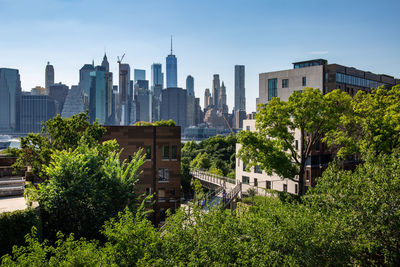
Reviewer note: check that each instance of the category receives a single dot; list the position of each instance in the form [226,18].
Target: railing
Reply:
[211,177]
[231,195]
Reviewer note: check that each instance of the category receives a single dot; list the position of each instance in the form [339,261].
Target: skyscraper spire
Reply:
[171,44]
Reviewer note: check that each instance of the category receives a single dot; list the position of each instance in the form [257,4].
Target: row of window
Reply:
[257,169]
[174,152]
[357,81]
[268,184]
[273,86]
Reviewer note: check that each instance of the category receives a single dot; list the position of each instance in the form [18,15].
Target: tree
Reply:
[86,186]
[372,125]
[57,134]
[201,161]
[272,146]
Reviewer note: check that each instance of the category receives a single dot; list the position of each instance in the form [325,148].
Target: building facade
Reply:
[138,75]
[161,171]
[157,77]
[190,85]
[35,110]
[215,89]
[240,93]
[73,103]
[173,105]
[59,92]
[49,77]
[125,99]
[10,97]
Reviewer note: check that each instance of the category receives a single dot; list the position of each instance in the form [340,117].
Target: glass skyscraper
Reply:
[157,77]
[172,71]
[10,94]
[139,75]
[190,85]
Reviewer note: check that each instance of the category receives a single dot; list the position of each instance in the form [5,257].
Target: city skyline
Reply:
[264,36]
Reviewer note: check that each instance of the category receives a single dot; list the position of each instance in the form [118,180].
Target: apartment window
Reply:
[317,146]
[165,152]
[244,166]
[148,191]
[285,188]
[268,184]
[174,150]
[163,175]
[161,195]
[172,192]
[297,144]
[326,77]
[148,152]
[296,188]
[285,83]
[255,182]
[257,169]
[248,128]
[245,180]
[307,175]
[326,90]
[304,81]
[272,88]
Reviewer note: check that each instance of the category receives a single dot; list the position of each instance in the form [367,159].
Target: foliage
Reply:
[87,186]
[216,171]
[14,226]
[10,152]
[57,134]
[156,123]
[272,146]
[373,123]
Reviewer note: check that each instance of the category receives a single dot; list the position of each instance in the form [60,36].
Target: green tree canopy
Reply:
[272,146]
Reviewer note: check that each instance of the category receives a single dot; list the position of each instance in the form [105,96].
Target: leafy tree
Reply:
[272,146]
[373,123]
[87,186]
[57,134]
[201,161]
[156,123]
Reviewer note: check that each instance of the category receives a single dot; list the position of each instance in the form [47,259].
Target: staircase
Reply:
[10,184]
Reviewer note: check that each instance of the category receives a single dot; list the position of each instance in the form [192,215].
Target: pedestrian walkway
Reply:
[8,204]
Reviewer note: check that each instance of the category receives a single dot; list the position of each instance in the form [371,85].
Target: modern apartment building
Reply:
[317,74]
[161,172]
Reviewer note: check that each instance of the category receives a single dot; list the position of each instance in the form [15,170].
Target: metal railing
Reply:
[211,177]
[232,195]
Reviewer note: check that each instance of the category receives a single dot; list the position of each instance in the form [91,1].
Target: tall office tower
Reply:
[59,93]
[172,72]
[198,118]
[207,98]
[190,110]
[173,106]
[240,96]
[35,109]
[73,103]
[138,75]
[157,77]
[115,99]
[156,105]
[10,97]
[38,90]
[190,85]
[144,105]
[105,63]
[222,99]
[49,77]
[124,101]
[109,98]
[84,80]
[99,89]
[215,88]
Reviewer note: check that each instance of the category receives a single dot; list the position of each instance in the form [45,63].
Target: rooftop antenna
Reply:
[171,44]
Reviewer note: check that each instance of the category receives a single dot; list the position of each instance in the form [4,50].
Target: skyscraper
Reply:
[97,101]
[105,63]
[172,72]
[222,99]
[190,85]
[84,79]
[157,77]
[10,95]
[215,88]
[240,97]
[59,93]
[124,101]
[49,77]
[35,109]
[73,103]
[173,106]
[207,98]
[138,75]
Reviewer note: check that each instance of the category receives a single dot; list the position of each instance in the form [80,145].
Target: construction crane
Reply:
[227,123]
[120,60]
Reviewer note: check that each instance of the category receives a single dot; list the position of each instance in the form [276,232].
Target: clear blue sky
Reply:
[210,36]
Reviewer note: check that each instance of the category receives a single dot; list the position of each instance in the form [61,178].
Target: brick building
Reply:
[161,172]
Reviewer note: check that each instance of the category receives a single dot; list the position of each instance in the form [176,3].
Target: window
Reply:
[272,88]
[244,166]
[268,184]
[248,128]
[245,179]
[165,152]
[304,81]
[317,146]
[174,150]
[326,77]
[297,144]
[163,175]
[148,152]
[296,188]
[285,83]
[148,191]
[285,188]
[172,192]
[307,175]
[326,90]
[257,169]
[255,182]
[161,195]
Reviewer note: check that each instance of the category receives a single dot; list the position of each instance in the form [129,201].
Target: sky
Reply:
[209,37]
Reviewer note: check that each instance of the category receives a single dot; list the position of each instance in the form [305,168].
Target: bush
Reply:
[14,226]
